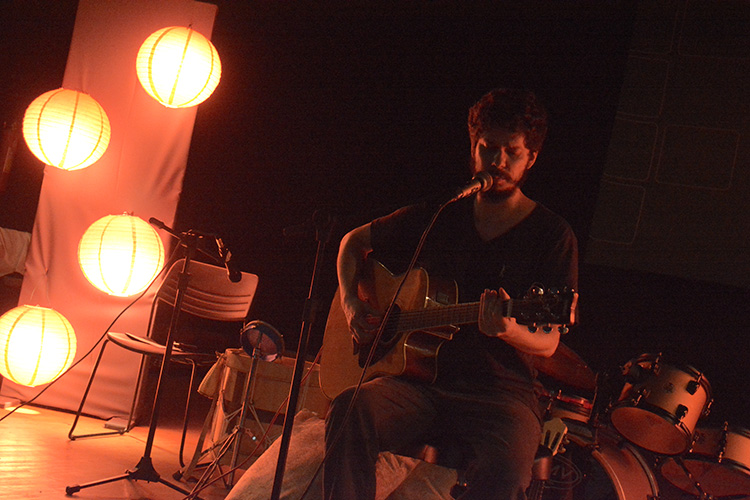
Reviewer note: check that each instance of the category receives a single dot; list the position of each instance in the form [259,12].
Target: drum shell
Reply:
[660,412]
[599,468]
[719,461]
[566,407]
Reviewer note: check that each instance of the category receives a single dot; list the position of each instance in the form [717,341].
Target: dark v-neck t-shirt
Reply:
[541,250]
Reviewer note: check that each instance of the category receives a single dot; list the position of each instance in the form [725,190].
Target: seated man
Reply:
[494,246]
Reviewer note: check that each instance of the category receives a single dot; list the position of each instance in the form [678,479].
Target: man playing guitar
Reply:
[494,246]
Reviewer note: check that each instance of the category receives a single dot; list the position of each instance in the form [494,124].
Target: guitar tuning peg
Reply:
[532,328]
[563,329]
[547,328]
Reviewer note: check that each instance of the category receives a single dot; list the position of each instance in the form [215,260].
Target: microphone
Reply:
[156,222]
[482,181]
[233,273]
[160,225]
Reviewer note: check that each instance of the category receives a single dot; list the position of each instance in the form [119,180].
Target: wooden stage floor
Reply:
[38,461]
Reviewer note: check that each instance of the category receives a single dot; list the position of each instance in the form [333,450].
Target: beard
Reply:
[511,187]
[494,196]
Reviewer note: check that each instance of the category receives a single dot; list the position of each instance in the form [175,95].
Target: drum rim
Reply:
[580,401]
[683,367]
[692,458]
[601,445]
[659,412]
[696,457]
[730,429]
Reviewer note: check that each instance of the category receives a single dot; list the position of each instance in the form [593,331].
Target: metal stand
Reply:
[247,406]
[234,439]
[262,342]
[323,228]
[145,470]
[696,484]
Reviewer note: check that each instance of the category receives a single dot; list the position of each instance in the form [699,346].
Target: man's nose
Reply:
[499,158]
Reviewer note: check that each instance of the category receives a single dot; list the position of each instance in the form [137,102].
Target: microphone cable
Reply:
[93,347]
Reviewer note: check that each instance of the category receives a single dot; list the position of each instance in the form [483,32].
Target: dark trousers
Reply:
[500,432]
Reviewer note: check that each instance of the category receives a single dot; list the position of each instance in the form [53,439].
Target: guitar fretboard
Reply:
[433,317]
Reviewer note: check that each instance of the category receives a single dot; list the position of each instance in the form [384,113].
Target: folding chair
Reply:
[210,295]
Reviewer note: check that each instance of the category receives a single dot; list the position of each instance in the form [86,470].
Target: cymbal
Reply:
[567,367]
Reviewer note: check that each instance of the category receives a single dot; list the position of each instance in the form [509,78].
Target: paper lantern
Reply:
[66,129]
[120,254]
[37,345]
[178,67]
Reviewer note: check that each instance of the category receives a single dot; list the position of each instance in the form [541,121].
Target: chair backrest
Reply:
[209,293]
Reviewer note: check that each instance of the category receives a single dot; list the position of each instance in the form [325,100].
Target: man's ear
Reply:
[532,159]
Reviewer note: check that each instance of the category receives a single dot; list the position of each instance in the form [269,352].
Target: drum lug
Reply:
[681,411]
[707,410]
[656,367]
[643,392]
[692,387]
[723,441]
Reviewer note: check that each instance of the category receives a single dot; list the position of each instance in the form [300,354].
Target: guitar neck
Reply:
[434,317]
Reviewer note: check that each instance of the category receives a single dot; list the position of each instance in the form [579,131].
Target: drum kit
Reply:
[640,435]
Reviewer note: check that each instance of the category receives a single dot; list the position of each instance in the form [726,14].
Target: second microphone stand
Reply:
[144,470]
[323,229]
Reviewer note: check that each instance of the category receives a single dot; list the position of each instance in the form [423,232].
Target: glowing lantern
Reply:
[120,254]
[66,129]
[37,345]
[178,67]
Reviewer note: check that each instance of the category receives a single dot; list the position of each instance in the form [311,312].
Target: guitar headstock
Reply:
[550,307]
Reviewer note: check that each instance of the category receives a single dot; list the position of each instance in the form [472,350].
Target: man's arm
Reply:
[493,324]
[363,319]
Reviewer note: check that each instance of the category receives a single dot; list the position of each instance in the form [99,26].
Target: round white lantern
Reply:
[66,129]
[178,67]
[37,345]
[120,254]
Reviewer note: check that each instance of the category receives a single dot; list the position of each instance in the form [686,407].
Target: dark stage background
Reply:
[351,109]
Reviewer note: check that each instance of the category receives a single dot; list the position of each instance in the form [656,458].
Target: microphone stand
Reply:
[145,470]
[323,228]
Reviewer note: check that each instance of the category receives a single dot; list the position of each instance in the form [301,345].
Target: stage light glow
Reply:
[178,67]
[120,254]
[66,129]
[37,345]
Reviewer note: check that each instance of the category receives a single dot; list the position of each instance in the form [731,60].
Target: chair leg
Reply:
[136,394]
[72,436]
[199,451]
[186,416]
[79,412]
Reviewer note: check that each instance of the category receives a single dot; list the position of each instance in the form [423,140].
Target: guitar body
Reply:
[413,353]
[425,317]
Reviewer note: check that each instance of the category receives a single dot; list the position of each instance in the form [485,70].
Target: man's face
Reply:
[503,155]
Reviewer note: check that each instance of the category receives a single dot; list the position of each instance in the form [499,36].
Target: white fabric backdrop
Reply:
[140,173]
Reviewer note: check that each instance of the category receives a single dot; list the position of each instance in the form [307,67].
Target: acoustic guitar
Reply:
[425,316]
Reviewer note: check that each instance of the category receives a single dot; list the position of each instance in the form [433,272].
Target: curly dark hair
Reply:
[518,111]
